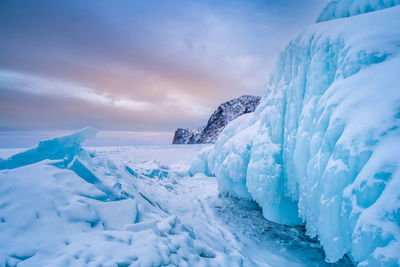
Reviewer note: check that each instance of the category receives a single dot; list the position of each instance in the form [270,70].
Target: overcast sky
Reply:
[142,66]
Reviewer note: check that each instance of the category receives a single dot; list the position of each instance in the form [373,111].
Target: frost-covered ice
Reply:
[322,147]
[347,8]
[63,205]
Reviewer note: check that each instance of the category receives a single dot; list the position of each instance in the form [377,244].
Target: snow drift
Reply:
[61,205]
[322,146]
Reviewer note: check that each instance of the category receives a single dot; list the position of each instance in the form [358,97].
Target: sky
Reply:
[143,68]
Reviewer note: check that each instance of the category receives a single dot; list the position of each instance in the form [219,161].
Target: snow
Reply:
[348,8]
[61,205]
[83,207]
[320,149]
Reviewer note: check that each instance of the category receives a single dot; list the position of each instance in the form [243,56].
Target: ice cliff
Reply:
[225,113]
[348,8]
[322,148]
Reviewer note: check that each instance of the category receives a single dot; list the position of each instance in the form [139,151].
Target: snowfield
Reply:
[62,205]
[322,148]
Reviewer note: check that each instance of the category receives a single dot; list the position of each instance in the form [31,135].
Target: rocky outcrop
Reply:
[187,136]
[224,114]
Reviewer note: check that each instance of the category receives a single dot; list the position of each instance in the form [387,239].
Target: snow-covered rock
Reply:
[322,146]
[224,114]
[187,136]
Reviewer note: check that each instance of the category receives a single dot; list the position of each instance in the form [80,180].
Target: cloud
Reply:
[31,102]
[41,86]
[136,65]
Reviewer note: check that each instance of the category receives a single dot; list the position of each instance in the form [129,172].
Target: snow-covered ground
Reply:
[61,205]
[223,223]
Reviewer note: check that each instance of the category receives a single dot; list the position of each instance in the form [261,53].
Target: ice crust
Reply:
[322,148]
[348,8]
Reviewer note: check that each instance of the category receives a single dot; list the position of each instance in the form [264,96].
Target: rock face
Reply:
[187,136]
[224,114]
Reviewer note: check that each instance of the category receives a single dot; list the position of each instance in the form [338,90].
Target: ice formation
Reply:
[61,205]
[347,8]
[322,146]
[65,205]
[64,147]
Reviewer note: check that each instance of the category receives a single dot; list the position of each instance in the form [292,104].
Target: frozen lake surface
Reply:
[179,220]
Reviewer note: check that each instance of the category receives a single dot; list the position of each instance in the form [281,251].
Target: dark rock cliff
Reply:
[224,114]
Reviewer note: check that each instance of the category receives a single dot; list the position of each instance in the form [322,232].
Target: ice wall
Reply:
[348,8]
[321,148]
